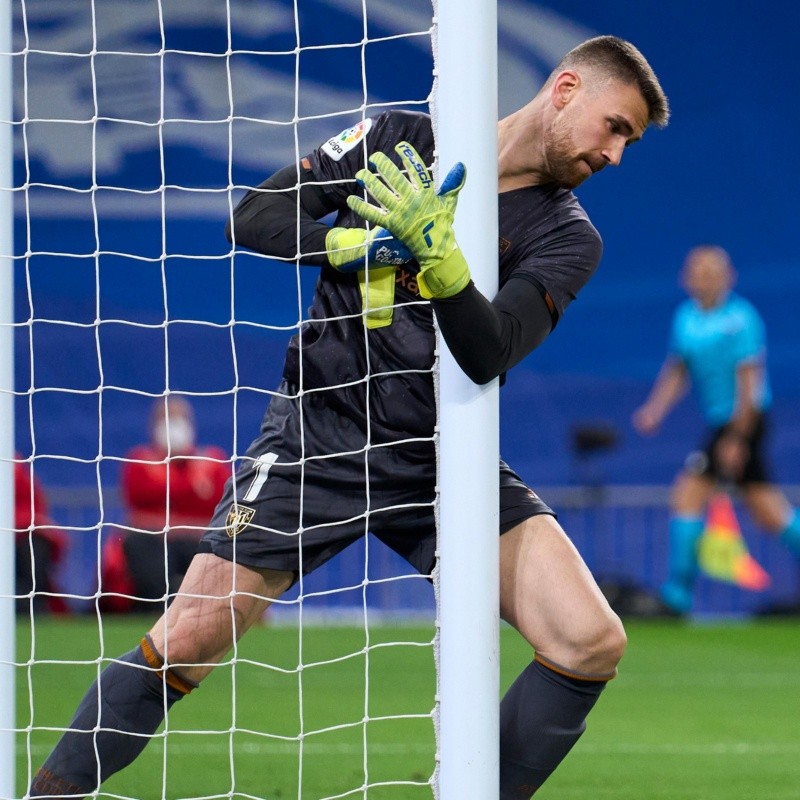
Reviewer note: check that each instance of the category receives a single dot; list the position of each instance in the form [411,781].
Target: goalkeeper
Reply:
[358,380]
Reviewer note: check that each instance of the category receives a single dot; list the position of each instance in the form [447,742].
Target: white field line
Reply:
[586,748]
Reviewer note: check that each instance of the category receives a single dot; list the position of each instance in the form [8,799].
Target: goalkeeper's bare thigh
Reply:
[308,487]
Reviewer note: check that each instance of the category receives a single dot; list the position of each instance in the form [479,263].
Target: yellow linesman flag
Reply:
[723,552]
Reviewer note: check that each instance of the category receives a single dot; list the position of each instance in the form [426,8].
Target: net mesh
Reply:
[138,127]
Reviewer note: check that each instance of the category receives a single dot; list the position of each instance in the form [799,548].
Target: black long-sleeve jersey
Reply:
[548,250]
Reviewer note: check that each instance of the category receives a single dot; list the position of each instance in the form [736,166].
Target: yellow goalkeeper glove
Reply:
[418,216]
[356,249]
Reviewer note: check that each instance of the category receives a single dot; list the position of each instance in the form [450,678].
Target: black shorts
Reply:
[309,486]
[704,462]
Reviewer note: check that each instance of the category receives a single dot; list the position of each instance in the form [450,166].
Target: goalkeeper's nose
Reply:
[613,154]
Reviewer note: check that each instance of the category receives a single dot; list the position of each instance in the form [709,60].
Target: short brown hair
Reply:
[620,60]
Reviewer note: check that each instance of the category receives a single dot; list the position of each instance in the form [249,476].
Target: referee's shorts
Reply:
[308,487]
[705,463]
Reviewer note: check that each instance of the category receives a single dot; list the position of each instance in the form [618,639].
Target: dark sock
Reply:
[131,695]
[541,717]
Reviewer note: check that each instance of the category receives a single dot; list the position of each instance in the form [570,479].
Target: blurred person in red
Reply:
[170,488]
[40,547]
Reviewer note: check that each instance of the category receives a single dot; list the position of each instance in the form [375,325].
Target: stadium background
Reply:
[724,171]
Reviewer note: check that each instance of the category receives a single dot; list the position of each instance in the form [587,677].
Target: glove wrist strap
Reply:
[444,278]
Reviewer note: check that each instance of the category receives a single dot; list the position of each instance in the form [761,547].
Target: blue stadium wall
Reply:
[724,171]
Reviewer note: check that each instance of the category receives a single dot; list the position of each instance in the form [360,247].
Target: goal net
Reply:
[138,126]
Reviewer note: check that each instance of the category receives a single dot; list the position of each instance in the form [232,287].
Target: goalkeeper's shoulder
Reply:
[576,235]
[403,125]
[341,156]
[406,116]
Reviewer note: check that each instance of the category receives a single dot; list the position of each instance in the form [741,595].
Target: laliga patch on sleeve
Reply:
[337,146]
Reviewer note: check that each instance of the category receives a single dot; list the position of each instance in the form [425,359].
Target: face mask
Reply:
[176,438]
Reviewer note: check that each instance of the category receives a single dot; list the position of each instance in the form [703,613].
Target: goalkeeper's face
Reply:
[592,129]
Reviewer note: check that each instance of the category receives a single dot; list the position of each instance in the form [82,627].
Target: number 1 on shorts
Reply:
[263,464]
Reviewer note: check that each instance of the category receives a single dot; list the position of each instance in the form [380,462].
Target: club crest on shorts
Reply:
[238,519]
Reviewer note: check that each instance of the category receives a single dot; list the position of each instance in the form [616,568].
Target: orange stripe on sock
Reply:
[178,682]
[569,673]
[173,679]
[150,654]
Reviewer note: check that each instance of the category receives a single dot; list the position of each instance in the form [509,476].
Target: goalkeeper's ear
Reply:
[454,180]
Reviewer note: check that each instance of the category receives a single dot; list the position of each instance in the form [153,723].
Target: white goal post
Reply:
[465,122]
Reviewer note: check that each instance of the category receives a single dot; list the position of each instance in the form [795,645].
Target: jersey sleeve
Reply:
[750,341]
[676,349]
[564,264]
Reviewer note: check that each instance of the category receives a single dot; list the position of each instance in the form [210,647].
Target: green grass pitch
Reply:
[698,712]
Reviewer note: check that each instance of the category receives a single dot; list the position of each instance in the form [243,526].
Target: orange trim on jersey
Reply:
[305,163]
[569,673]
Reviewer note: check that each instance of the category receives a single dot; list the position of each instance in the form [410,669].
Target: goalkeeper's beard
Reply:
[567,169]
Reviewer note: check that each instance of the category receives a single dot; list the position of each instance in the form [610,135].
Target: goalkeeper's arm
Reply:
[266,220]
[488,338]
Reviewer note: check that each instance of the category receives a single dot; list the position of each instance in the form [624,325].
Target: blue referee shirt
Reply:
[712,343]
